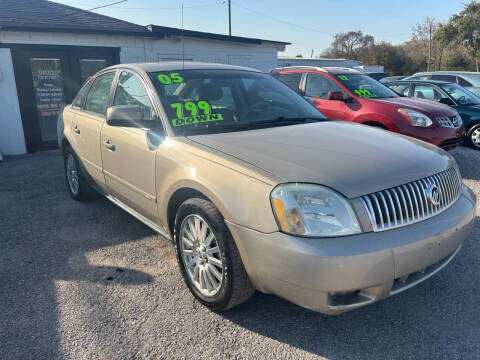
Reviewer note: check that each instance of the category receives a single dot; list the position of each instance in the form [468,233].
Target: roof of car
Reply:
[335,70]
[180,65]
[434,82]
[445,72]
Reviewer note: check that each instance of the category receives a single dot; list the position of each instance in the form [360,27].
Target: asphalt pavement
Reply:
[88,281]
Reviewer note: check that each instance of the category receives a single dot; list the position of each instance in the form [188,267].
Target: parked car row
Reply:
[258,190]
[448,93]
[347,94]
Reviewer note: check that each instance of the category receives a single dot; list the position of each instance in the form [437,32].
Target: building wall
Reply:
[138,49]
[12,140]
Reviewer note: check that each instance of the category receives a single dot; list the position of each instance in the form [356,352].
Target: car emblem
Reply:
[433,194]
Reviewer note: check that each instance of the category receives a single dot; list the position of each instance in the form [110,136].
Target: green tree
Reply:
[444,37]
[349,45]
[467,25]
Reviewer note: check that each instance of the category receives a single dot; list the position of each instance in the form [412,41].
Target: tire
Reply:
[473,136]
[77,184]
[225,282]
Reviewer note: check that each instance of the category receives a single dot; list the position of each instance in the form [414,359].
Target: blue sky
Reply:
[307,24]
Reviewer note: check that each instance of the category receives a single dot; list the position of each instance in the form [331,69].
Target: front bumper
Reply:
[444,137]
[333,275]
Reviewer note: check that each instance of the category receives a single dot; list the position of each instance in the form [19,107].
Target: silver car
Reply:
[259,191]
[467,79]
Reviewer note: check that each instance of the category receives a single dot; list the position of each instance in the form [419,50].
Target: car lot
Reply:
[87,280]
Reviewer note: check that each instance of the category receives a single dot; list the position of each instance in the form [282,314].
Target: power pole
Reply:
[429,45]
[230,17]
[311,55]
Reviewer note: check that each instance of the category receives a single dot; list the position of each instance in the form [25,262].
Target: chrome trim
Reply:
[414,206]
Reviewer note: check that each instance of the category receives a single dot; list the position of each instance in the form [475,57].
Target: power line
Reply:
[103,6]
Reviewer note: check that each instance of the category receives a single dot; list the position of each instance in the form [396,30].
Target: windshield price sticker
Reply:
[198,119]
[343,77]
[192,107]
[172,78]
[364,93]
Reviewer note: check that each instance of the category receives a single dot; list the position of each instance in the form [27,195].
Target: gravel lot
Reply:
[88,281]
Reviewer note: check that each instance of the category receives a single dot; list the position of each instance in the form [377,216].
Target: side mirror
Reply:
[446,101]
[335,95]
[124,115]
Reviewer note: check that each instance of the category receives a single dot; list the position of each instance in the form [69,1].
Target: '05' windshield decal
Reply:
[172,78]
[364,93]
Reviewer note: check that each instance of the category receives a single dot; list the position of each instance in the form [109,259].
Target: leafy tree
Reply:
[467,25]
[349,45]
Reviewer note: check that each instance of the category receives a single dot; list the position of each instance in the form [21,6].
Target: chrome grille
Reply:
[450,122]
[413,202]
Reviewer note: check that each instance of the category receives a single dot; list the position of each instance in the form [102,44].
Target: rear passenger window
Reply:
[292,80]
[319,86]
[78,101]
[427,92]
[97,99]
[449,78]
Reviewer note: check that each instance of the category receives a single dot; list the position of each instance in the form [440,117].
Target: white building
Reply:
[48,50]
[284,61]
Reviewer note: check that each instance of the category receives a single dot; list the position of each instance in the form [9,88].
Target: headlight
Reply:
[416,118]
[313,210]
[458,121]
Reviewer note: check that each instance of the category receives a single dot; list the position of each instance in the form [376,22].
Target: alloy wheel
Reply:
[72,174]
[475,137]
[201,255]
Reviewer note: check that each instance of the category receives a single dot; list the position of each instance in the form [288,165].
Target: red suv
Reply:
[347,94]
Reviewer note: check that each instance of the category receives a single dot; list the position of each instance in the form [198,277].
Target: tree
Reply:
[393,58]
[467,25]
[444,37]
[349,45]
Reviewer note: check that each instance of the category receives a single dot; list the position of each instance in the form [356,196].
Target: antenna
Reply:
[183,45]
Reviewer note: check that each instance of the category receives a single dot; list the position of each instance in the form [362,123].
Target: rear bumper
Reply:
[334,275]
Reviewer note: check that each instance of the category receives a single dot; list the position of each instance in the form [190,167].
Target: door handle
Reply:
[108,144]
[76,130]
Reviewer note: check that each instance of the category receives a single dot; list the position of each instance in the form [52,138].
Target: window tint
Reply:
[401,89]
[460,95]
[319,86]
[449,78]
[292,80]
[463,82]
[78,101]
[130,91]
[97,99]
[427,92]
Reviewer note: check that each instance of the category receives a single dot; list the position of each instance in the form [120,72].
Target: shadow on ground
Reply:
[44,237]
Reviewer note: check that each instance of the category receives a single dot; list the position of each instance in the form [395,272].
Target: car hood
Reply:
[350,158]
[422,105]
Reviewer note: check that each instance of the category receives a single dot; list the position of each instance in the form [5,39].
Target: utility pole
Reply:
[230,17]
[311,55]
[429,45]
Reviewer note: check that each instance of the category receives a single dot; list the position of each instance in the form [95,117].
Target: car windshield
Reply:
[366,87]
[210,101]
[460,95]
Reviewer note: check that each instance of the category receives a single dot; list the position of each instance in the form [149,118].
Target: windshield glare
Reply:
[460,95]
[214,99]
[366,87]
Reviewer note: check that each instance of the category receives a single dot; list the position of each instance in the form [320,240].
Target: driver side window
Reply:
[319,86]
[130,91]
[427,92]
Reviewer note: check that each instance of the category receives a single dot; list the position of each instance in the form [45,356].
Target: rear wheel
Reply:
[77,183]
[474,136]
[208,257]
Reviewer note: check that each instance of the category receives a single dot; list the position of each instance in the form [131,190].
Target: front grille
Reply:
[450,122]
[413,202]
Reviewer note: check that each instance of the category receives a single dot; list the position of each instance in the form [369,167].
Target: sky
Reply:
[307,24]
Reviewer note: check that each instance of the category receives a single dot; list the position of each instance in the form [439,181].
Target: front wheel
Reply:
[473,136]
[208,257]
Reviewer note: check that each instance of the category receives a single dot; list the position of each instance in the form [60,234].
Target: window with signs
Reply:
[292,80]
[319,86]
[426,91]
[130,91]
[98,96]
